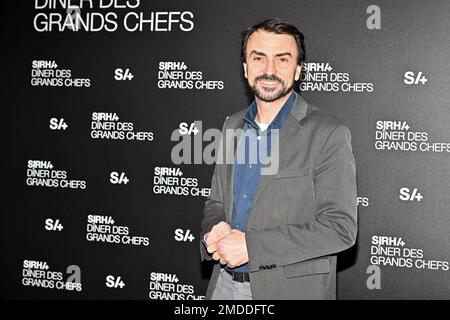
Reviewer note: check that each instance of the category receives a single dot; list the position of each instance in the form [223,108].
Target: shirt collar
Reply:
[278,121]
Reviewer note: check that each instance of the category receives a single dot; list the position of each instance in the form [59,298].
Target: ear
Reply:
[298,71]
[245,70]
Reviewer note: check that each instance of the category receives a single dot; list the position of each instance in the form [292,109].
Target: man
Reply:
[275,235]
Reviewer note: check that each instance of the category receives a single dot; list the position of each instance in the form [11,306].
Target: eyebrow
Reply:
[259,53]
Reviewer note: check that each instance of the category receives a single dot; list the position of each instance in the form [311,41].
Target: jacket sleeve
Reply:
[213,211]
[334,226]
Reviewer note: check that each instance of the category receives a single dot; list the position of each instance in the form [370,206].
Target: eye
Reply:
[256,58]
[284,60]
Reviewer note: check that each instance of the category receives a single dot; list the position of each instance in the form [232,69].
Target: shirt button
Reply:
[249,165]
[258,137]
[244,196]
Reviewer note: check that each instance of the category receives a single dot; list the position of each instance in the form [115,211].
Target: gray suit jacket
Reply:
[301,216]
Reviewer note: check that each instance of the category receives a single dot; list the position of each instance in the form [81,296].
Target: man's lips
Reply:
[268,83]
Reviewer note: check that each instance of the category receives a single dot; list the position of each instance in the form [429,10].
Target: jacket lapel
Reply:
[230,169]
[265,179]
[298,111]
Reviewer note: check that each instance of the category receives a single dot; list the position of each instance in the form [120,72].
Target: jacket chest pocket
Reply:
[297,199]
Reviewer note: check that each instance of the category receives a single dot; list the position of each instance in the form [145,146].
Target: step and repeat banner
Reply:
[100,96]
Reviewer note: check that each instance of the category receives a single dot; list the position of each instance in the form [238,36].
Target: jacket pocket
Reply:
[292,173]
[309,267]
[297,200]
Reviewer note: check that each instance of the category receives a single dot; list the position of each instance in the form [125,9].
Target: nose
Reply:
[270,67]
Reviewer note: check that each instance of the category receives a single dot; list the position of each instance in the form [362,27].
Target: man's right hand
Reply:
[217,232]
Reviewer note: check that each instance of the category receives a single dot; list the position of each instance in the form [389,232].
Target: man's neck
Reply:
[267,111]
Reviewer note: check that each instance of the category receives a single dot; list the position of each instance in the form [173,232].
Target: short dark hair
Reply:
[276,26]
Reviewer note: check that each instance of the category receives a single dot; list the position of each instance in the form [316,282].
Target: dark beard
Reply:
[263,96]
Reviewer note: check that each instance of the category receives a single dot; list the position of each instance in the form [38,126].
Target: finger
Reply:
[226,232]
[223,261]
[224,224]
[211,248]
[224,228]
[210,240]
[216,256]
[222,234]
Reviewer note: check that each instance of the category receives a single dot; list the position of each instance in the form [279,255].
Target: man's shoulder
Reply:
[321,117]
[321,120]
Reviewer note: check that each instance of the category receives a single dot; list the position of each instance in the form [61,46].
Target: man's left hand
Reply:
[233,249]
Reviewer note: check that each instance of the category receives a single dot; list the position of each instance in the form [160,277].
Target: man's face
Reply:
[271,64]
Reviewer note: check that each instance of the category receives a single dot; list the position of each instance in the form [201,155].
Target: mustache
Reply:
[268,78]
